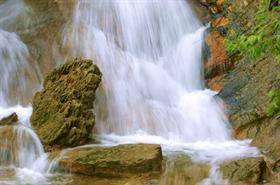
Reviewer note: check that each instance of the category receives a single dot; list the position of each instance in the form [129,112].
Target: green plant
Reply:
[274,106]
[263,39]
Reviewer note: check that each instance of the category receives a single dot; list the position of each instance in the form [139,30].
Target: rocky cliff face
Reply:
[242,83]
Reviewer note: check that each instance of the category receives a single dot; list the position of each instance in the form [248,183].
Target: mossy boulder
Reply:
[9,120]
[118,161]
[62,111]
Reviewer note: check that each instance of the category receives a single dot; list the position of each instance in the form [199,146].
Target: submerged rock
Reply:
[7,145]
[62,112]
[9,120]
[117,161]
[180,169]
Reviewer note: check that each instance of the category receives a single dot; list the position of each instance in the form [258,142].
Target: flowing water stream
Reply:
[149,52]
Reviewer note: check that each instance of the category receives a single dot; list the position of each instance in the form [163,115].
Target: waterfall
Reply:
[19,78]
[150,54]
[20,148]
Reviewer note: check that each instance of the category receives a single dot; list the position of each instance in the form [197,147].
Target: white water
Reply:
[20,148]
[150,54]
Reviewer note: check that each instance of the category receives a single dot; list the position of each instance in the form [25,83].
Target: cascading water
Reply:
[150,54]
[20,148]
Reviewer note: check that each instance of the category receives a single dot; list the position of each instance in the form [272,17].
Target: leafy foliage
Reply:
[274,106]
[262,39]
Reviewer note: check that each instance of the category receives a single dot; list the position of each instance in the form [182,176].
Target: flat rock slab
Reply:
[117,161]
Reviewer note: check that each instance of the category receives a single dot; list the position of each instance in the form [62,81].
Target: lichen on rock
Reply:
[62,111]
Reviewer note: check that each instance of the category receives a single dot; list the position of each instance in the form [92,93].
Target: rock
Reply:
[215,83]
[62,112]
[243,83]
[219,21]
[200,9]
[117,161]
[7,145]
[41,27]
[45,32]
[9,120]
[180,169]
[267,138]
[245,90]
[91,180]
[248,171]
[215,64]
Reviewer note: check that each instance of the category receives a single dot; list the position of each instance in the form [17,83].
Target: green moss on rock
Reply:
[62,112]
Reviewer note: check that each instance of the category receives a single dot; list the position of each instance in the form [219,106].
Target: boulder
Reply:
[116,161]
[9,120]
[62,111]
[248,171]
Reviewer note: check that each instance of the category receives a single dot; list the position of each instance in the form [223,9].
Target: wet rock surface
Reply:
[180,169]
[118,161]
[43,34]
[62,112]
[9,120]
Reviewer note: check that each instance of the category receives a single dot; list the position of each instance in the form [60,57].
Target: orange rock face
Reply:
[215,83]
[215,63]
[219,4]
[220,21]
